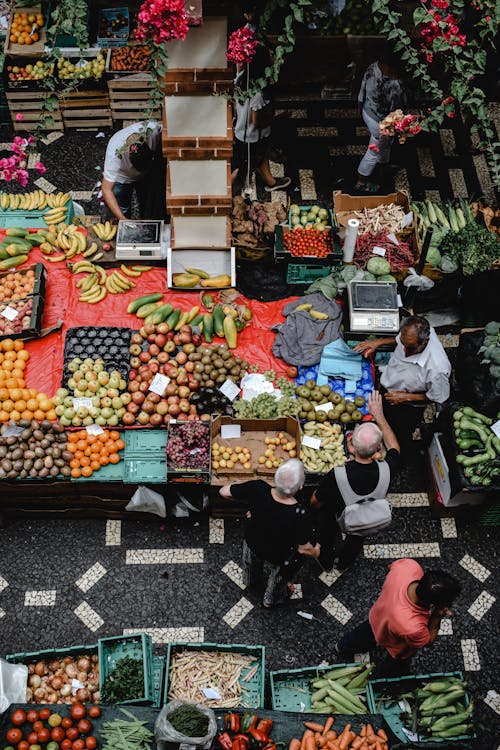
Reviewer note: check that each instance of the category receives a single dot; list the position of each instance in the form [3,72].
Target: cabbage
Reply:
[386,277]
[378,266]
[434,257]
[369,276]
[447,265]
[348,273]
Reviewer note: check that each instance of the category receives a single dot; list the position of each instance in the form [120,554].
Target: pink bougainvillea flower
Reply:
[40,167]
[7,175]
[31,139]
[161,20]
[242,46]
[19,117]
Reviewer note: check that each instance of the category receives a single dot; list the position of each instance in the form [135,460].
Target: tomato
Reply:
[78,745]
[57,734]
[55,720]
[43,734]
[78,711]
[45,713]
[23,745]
[33,738]
[72,733]
[66,745]
[18,717]
[94,712]
[84,726]
[14,735]
[90,743]
[37,725]
[67,722]
[53,746]
[32,716]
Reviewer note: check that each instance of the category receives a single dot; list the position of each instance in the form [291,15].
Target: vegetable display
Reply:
[473,248]
[310,217]
[34,449]
[189,721]
[308,241]
[126,735]
[318,735]
[491,352]
[91,452]
[188,447]
[253,225]
[386,218]
[16,246]
[245,731]
[125,682]
[191,671]
[339,690]
[46,729]
[330,452]
[51,681]
[479,447]
[137,57]
[398,255]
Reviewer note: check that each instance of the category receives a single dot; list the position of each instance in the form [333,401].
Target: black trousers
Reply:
[332,545]
[361,639]
[403,419]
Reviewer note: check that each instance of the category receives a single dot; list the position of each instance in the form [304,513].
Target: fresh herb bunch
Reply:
[474,248]
[189,721]
[125,682]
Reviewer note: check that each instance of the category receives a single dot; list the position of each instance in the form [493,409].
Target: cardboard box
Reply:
[38,47]
[215,262]
[447,489]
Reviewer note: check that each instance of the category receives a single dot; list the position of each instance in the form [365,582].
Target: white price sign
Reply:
[10,313]
[159,383]
[392,237]
[77,402]
[94,429]
[229,389]
[379,251]
[311,442]
[324,407]
[407,219]
[13,431]
[496,428]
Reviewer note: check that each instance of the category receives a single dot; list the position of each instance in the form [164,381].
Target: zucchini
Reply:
[140,301]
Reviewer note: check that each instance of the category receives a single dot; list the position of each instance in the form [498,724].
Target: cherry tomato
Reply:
[32,716]
[14,735]
[37,725]
[45,713]
[32,738]
[18,717]
[78,745]
[43,734]
[66,744]
[78,711]
[66,722]
[35,746]
[84,726]
[94,712]
[23,745]
[72,733]
[55,720]
[90,743]
[57,734]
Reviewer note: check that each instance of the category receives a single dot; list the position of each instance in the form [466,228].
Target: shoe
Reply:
[366,187]
[281,182]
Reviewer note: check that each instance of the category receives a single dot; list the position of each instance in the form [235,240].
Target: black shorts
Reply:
[258,151]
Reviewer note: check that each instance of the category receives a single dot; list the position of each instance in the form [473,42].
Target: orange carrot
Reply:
[310,742]
[328,724]
[331,735]
[382,734]
[314,726]
[356,743]
[363,731]
[294,744]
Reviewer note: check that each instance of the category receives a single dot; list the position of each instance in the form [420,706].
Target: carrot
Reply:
[344,742]
[363,731]
[378,745]
[294,744]
[314,726]
[320,740]
[356,743]
[382,734]
[331,735]
[369,730]
[328,724]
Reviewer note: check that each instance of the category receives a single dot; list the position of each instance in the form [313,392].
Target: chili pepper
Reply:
[270,745]
[240,742]
[225,741]
[232,722]
[265,725]
[248,721]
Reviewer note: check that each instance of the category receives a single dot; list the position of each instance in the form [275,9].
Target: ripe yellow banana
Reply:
[129,272]
[90,250]
[97,298]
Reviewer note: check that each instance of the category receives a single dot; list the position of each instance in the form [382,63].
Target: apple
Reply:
[135,350]
[136,338]
[135,362]
[184,405]
[156,419]
[126,398]
[151,338]
[133,408]
[189,348]
[172,400]
[162,408]
[154,397]
[181,358]
[162,328]
[174,410]
[162,357]
[144,386]
[132,374]
[160,340]
[148,406]
[154,350]
[144,356]
[143,418]
[169,346]
[128,418]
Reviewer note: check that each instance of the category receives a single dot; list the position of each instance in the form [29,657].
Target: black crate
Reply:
[108,343]
[34,328]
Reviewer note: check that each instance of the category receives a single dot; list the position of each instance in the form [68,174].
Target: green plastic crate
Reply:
[31,219]
[331,217]
[145,457]
[158,677]
[145,441]
[253,689]
[51,654]
[137,646]
[291,688]
[305,274]
[390,709]
[491,516]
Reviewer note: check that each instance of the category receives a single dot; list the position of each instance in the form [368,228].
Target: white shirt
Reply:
[426,372]
[119,168]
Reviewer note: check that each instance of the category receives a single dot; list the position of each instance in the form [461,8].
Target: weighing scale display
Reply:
[135,233]
[373,306]
[375,296]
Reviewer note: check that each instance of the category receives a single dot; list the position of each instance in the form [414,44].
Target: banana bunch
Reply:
[331,451]
[105,231]
[97,283]
[36,200]
[67,239]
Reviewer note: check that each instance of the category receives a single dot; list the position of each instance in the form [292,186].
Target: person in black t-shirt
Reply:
[276,526]
[362,475]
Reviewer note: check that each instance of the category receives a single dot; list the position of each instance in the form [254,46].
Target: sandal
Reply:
[366,187]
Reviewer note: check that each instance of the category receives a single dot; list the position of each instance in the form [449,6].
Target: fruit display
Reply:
[16,285]
[81,69]
[113,24]
[51,681]
[97,283]
[188,447]
[93,395]
[331,449]
[310,217]
[128,58]
[63,242]
[16,246]
[267,405]
[91,452]
[281,443]
[33,448]
[16,401]
[106,230]
[35,200]
[107,343]
[198,277]
[48,729]
[21,322]
[210,401]
[311,395]
[36,71]
[227,458]
[26,28]
[308,241]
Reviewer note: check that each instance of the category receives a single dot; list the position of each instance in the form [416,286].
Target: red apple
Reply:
[196,339]
[135,362]
[160,340]
[133,386]
[183,391]
[135,350]
[136,338]
[192,417]
[189,366]
[143,418]
[132,374]
[154,397]
[138,397]
[144,386]
[151,338]
[170,335]
[182,417]
[128,418]
[162,328]
[169,346]
[176,339]
[181,358]
[154,350]
[162,408]
[172,400]
[174,410]
[156,419]
[144,356]
[133,408]
[162,357]
[148,407]
[154,368]
[171,389]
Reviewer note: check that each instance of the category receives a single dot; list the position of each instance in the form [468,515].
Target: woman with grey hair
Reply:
[276,526]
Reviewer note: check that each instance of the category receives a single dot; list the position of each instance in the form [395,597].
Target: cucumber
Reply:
[218,320]
[137,303]
[146,309]
[196,321]
[173,319]
[208,328]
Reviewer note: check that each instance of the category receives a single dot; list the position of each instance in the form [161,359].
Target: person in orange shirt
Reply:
[405,618]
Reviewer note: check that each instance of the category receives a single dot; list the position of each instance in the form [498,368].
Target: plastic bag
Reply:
[422,283]
[165,732]
[145,500]
[13,682]
[182,508]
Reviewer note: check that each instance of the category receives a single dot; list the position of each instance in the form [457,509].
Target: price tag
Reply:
[311,442]
[324,407]
[13,431]
[496,428]
[10,313]
[159,383]
[399,300]
[211,694]
[77,402]
[94,429]
[76,685]
[230,390]
[379,251]
[407,219]
[230,431]
[392,237]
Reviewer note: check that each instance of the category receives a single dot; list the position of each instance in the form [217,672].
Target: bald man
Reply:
[362,475]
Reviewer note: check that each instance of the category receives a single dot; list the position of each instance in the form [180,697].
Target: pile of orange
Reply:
[90,452]
[16,401]
[25,28]
[16,285]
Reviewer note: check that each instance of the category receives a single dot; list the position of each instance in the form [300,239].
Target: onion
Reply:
[52,697]
[54,666]
[94,658]
[83,695]
[34,681]
[82,677]
[71,670]
[83,664]
[96,697]
[45,681]
[40,668]
[40,694]
[56,683]
[29,695]
[92,688]
[31,669]
[65,690]
[67,660]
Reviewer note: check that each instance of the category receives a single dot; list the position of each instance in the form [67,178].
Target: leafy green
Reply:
[474,248]
[189,721]
[125,682]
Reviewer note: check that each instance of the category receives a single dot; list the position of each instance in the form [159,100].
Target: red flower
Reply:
[451,115]
[242,46]
[161,20]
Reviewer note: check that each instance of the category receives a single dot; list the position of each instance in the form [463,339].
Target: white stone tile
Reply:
[344,114]
[294,114]
[470,654]
[3,583]
[317,132]
[89,616]
[44,184]
[81,195]
[2,613]
[330,576]
[40,598]
[481,605]
[493,700]
[5,146]
[297,593]
[216,531]
[336,609]
[167,635]
[449,340]
[238,612]
[408,499]
[433,195]
[32,160]
[91,577]
[457,180]
[307,185]
[483,176]
[235,573]
[446,627]
[113,533]
[350,150]
[362,130]
[163,556]
[475,568]
[51,137]
[449,528]
[386,551]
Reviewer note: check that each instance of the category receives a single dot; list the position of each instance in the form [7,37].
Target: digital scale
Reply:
[373,307]
[139,240]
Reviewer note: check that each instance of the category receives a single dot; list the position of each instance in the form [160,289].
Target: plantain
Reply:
[198,272]
[216,281]
[98,256]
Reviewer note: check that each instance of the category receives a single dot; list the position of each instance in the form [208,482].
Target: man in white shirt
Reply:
[133,161]
[418,372]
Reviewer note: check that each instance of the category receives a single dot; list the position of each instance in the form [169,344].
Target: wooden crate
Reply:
[129,97]
[86,109]
[28,103]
